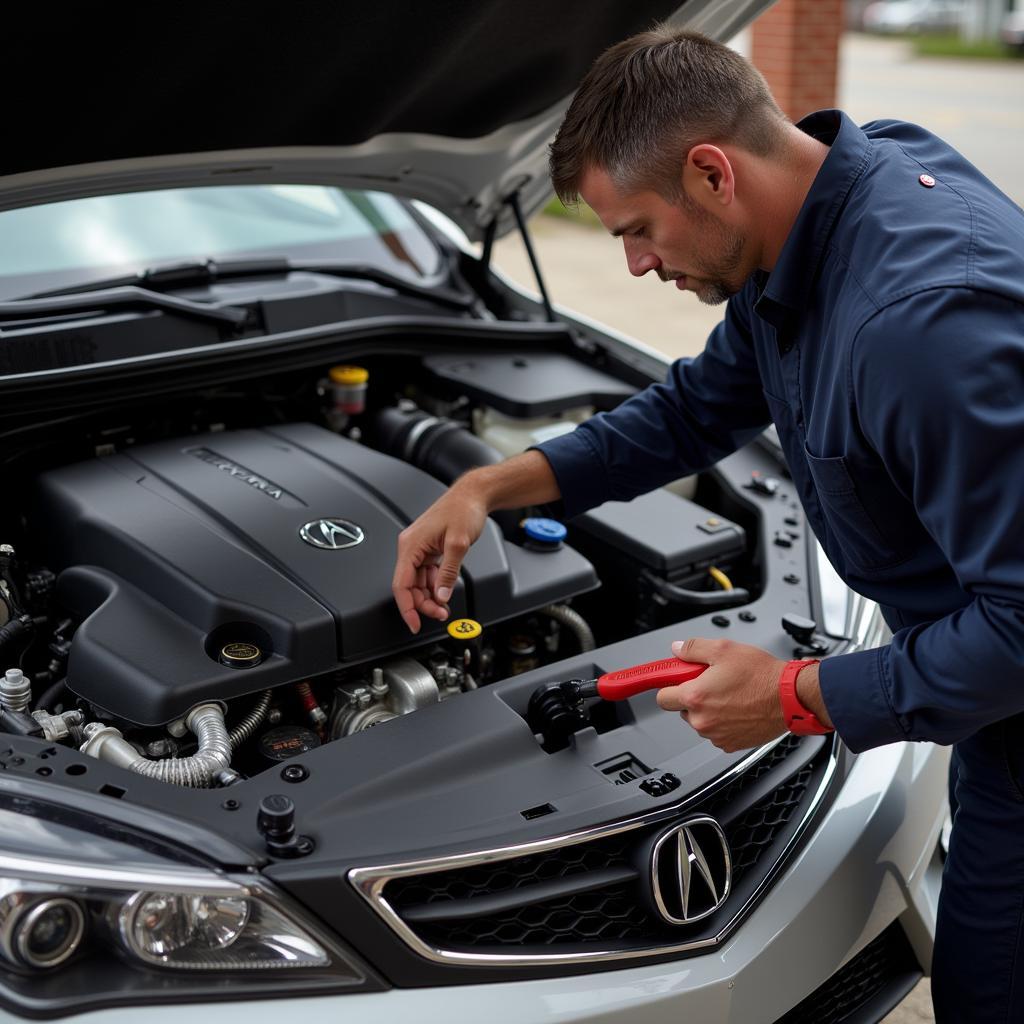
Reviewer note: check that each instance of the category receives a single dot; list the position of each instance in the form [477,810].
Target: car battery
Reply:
[657,534]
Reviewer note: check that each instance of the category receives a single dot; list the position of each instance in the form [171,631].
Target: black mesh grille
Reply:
[723,797]
[502,876]
[884,967]
[754,832]
[600,915]
[544,899]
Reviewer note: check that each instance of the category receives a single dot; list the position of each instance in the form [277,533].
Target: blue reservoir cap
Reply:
[544,531]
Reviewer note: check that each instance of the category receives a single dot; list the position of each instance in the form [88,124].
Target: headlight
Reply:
[168,927]
[221,926]
[198,932]
[40,932]
[73,937]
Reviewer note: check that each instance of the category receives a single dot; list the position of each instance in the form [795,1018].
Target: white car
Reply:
[913,16]
[249,330]
[1011,31]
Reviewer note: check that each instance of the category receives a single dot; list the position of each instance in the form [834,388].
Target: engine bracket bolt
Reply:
[294,773]
[360,697]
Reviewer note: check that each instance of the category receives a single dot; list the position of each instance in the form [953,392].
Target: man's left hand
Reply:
[734,703]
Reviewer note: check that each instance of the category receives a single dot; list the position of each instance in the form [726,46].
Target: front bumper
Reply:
[871,861]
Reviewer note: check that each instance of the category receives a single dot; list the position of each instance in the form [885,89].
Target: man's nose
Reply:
[639,258]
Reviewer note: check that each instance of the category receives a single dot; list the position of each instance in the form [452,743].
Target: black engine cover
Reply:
[172,550]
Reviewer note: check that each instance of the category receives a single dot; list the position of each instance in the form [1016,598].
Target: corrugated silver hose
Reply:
[572,620]
[197,771]
[214,754]
[252,721]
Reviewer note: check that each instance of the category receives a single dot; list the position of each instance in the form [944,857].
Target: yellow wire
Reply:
[720,578]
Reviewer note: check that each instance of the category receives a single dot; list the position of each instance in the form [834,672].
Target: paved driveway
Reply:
[975,105]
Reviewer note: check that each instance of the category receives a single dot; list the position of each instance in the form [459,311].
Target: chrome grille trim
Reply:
[370,882]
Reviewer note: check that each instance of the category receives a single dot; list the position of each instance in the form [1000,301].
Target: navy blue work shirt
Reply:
[887,345]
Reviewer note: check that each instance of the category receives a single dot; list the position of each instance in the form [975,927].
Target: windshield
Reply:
[64,244]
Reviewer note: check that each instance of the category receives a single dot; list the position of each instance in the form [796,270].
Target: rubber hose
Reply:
[705,599]
[441,447]
[50,694]
[574,621]
[450,450]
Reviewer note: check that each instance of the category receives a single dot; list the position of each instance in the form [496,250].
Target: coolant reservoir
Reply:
[510,435]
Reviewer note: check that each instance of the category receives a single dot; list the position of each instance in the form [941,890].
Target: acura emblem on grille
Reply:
[333,534]
[691,871]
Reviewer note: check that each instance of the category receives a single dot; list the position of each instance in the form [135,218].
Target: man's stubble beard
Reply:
[714,293]
[720,279]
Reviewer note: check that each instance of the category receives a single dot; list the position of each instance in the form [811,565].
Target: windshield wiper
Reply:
[111,295]
[368,272]
[181,275]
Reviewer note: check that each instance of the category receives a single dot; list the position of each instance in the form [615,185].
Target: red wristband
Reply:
[799,720]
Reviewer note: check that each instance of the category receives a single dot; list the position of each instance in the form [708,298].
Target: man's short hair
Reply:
[648,100]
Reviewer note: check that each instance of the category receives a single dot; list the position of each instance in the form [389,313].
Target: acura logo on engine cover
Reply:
[333,534]
[691,871]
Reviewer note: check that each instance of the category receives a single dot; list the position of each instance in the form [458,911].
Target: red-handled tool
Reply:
[555,710]
[654,675]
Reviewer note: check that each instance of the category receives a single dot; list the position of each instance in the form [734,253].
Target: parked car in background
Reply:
[1011,31]
[913,16]
[249,330]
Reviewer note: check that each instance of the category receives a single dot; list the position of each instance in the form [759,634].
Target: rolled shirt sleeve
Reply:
[938,385]
[706,408]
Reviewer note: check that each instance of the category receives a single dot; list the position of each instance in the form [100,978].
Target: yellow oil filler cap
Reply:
[464,629]
[348,375]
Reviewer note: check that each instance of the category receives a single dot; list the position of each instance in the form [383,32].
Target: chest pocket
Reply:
[861,539]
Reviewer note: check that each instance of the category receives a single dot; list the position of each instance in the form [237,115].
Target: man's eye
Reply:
[640,233]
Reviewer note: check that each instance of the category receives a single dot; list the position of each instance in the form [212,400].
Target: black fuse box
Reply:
[659,533]
[666,533]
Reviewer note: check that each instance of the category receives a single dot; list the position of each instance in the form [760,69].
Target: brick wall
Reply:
[795,45]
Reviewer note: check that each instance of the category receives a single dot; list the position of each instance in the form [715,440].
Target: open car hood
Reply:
[454,103]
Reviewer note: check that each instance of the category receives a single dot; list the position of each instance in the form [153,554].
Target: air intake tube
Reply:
[441,447]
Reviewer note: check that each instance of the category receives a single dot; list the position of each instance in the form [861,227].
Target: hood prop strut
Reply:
[512,201]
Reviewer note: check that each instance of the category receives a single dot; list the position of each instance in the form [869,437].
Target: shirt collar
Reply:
[787,288]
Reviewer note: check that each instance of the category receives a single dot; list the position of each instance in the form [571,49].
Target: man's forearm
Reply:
[524,479]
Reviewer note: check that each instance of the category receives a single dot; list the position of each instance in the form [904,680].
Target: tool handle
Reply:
[628,682]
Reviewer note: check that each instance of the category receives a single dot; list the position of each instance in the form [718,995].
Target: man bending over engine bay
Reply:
[875,287]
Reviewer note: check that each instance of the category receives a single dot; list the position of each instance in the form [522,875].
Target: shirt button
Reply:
[927,180]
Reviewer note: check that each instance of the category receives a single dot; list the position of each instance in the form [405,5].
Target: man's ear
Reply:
[708,176]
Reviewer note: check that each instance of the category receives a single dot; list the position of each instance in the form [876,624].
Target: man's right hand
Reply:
[430,552]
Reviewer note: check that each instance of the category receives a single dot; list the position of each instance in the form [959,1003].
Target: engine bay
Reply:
[201,591]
